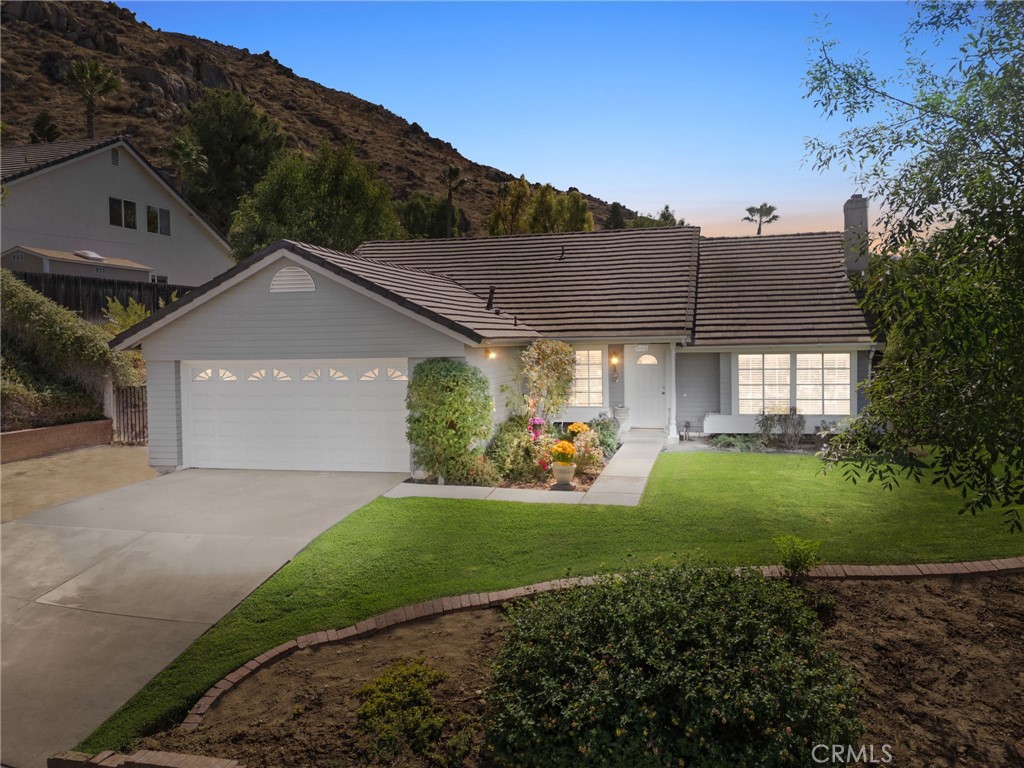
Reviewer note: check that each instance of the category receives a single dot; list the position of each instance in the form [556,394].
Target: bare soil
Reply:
[34,484]
[939,659]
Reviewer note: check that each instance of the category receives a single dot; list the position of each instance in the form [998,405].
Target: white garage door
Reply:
[317,415]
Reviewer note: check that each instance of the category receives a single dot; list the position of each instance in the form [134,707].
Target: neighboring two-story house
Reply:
[102,198]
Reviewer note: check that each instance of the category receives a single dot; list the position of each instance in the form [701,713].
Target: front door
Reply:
[645,385]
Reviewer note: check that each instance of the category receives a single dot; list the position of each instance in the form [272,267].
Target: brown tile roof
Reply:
[18,161]
[611,284]
[433,296]
[776,289]
[74,258]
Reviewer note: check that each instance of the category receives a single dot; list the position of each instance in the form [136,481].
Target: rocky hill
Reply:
[163,72]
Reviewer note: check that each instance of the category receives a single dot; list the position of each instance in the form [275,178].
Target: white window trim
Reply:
[587,412]
[734,365]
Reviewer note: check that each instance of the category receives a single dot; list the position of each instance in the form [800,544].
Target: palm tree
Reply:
[453,180]
[761,214]
[92,82]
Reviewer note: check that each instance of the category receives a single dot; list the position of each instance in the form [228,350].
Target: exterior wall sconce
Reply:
[615,367]
[491,354]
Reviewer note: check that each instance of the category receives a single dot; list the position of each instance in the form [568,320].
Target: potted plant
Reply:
[536,427]
[563,468]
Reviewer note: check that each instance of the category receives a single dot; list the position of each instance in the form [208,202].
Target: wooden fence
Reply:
[88,295]
[131,426]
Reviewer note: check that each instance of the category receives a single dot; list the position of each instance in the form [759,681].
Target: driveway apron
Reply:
[99,594]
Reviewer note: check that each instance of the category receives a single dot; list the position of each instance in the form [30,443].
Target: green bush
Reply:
[450,409]
[58,341]
[700,667]
[549,368]
[473,469]
[607,429]
[744,443]
[781,430]
[796,556]
[513,451]
[589,456]
[28,402]
[400,716]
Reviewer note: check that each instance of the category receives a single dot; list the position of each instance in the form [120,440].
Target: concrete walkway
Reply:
[99,594]
[622,482]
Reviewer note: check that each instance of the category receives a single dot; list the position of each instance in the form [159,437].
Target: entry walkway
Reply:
[622,482]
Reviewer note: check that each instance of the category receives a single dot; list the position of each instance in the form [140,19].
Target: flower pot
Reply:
[563,475]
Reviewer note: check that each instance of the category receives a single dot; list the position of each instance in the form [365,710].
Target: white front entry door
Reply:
[646,379]
[337,415]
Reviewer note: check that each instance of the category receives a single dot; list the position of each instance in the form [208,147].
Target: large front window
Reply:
[823,384]
[588,387]
[764,384]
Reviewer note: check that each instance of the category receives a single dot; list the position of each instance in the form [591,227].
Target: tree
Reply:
[573,212]
[330,199]
[549,370]
[544,213]
[453,180]
[93,82]
[616,218]
[945,156]
[44,129]
[761,214]
[424,216]
[509,215]
[223,149]
[666,218]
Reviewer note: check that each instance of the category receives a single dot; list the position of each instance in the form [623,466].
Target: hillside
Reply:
[163,72]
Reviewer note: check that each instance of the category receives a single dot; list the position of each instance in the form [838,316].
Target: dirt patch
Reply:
[939,658]
[34,484]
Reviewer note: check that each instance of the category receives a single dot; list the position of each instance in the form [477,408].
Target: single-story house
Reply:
[81,263]
[299,356]
[103,196]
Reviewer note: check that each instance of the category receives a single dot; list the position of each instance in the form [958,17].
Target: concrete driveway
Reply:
[99,594]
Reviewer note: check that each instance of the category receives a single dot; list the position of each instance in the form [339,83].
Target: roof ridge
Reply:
[770,237]
[645,231]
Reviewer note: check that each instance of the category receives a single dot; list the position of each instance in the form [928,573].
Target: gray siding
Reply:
[501,372]
[616,389]
[697,389]
[725,383]
[247,322]
[863,368]
[163,382]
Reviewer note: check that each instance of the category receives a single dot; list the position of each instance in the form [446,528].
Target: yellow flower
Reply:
[578,426]
[563,451]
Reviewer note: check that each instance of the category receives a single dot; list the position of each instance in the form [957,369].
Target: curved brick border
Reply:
[444,605]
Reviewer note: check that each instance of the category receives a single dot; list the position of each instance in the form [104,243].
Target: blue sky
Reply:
[697,105]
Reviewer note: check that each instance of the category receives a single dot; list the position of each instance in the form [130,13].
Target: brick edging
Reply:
[440,606]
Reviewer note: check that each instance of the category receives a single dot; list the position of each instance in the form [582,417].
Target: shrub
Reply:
[450,408]
[28,403]
[697,666]
[549,369]
[400,715]
[781,430]
[744,443]
[796,556]
[589,456]
[513,452]
[473,469]
[607,429]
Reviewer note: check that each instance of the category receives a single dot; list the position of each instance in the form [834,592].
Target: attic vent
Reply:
[89,255]
[292,280]
[115,157]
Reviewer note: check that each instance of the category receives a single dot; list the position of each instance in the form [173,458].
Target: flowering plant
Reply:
[577,427]
[563,451]
[536,427]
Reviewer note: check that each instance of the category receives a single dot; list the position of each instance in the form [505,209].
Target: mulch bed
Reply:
[940,662]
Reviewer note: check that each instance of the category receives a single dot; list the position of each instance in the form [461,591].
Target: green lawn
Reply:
[719,506]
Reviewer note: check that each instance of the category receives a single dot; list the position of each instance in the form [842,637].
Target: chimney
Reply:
[855,234]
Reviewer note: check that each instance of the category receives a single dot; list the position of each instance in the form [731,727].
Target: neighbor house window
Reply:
[588,388]
[122,213]
[158,278]
[823,383]
[764,384]
[158,220]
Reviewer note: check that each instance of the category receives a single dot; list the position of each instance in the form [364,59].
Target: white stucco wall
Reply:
[66,208]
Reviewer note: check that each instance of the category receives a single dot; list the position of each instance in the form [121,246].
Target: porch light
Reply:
[491,354]
[615,367]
